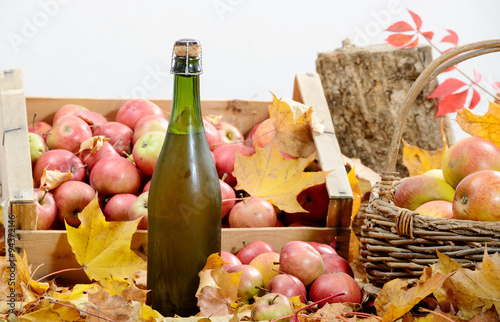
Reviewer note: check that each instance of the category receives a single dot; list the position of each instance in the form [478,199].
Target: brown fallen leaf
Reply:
[52,179]
[93,144]
[120,307]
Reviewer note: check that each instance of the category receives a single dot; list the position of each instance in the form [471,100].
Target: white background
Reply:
[122,48]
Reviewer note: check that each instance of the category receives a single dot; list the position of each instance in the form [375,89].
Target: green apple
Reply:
[437,173]
[37,146]
[414,191]
[251,282]
[272,306]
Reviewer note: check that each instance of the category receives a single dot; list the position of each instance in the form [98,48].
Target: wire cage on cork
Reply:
[400,243]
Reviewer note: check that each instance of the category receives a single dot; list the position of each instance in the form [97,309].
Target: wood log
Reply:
[365,87]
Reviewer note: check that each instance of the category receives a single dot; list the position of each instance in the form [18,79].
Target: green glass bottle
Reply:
[184,206]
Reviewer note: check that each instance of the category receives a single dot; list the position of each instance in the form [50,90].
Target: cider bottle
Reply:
[184,206]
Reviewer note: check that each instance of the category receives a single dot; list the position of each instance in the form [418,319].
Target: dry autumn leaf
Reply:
[485,126]
[103,248]
[93,144]
[123,307]
[268,175]
[52,179]
[418,161]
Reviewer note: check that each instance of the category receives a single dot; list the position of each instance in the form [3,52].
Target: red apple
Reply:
[322,248]
[68,109]
[93,119]
[251,282]
[335,263]
[71,198]
[301,260]
[250,135]
[272,307]
[315,200]
[113,175]
[90,157]
[133,110]
[68,133]
[61,160]
[140,209]
[46,209]
[41,128]
[213,136]
[264,133]
[146,186]
[288,285]
[230,259]
[478,197]
[252,250]
[37,147]
[437,209]
[118,206]
[149,123]
[120,136]
[268,265]
[228,197]
[469,155]
[229,133]
[147,150]
[417,190]
[224,160]
[252,212]
[331,284]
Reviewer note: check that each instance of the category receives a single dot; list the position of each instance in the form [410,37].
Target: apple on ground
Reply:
[334,283]
[478,197]
[133,110]
[301,260]
[93,119]
[62,160]
[334,263]
[229,133]
[147,150]
[271,307]
[288,285]
[225,157]
[68,133]
[322,248]
[68,109]
[252,250]
[228,197]
[230,259]
[41,128]
[417,190]
[268,265]
[213,136]
[149,123]
[436,209]
[252,212]
[113,175]
[117,207]
[71,198]
[251,282]
[37,147]
[46,209]
[469,155]
[90,157]
[140,209]
[120,136]
[264,134]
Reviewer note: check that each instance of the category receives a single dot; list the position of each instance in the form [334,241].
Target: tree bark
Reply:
[365,89]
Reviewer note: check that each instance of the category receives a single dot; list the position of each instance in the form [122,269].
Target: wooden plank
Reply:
[15,165]
[57,254]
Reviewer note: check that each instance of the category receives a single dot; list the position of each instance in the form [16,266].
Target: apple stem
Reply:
[263,289]
[44,194]
[116,143]
[224,176]
[34,118]
[57,272]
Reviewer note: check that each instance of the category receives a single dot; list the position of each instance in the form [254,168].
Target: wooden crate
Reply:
[52,249]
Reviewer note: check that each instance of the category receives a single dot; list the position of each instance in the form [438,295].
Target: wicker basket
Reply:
[399,243]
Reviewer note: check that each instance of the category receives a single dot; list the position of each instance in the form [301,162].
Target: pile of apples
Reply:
[120,170]
[467,187]
[311,271]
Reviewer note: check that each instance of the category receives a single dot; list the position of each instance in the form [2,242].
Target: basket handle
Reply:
[443,62]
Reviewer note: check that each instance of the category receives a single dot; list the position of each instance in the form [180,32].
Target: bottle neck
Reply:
[186,117]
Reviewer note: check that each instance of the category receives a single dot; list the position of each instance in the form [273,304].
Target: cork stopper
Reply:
[183,47]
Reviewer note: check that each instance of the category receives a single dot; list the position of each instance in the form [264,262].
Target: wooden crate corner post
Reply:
[15,163]
[309,90]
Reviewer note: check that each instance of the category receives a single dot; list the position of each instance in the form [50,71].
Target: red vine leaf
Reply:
[451,38]
[428,35]
[400,26]
[412,44]
[399,40]
[416,18]
[496,86]
[451,103]
[448,87]
[475,99]
[477,77]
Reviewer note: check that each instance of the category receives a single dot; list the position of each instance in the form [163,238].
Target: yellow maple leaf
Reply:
[268,175]
[485,126]
[52,312]
[52,179]
[103,248]
[292,132]
[418,160]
